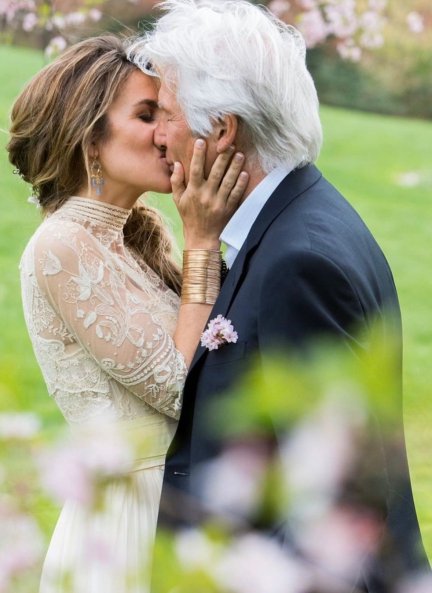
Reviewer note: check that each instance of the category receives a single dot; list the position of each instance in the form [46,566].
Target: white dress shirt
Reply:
[236,231]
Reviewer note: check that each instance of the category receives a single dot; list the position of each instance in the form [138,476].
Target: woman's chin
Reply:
[164,188]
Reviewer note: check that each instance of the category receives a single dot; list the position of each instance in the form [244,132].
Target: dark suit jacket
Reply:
[309,267]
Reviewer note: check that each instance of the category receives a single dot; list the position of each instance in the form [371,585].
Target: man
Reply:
[302,262]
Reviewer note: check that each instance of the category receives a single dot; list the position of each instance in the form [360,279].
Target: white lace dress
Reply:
[101,324]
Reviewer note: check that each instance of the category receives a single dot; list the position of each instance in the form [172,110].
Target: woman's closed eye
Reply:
[147,117]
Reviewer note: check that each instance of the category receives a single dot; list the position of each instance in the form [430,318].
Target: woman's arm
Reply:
[205,206]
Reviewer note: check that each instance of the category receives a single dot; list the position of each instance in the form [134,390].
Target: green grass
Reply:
[364,156]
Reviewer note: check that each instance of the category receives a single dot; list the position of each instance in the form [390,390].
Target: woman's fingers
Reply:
[236,194]
[231,176]
[196,174]
[219,168]
[178,182]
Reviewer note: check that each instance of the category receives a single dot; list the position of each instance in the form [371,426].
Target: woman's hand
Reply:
[206,205]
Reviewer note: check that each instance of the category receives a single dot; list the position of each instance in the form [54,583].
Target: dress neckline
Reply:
[96,212]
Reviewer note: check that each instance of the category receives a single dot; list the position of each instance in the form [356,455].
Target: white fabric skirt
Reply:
[108,551]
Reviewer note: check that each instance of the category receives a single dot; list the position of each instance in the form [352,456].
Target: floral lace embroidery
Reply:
[100,320]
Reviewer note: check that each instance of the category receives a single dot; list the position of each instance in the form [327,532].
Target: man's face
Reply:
[173,132]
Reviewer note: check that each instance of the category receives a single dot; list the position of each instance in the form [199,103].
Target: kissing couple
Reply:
[217,107]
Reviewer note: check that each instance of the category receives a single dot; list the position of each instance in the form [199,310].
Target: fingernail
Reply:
[176,167]
[239,156]
[200,143]
[243,174]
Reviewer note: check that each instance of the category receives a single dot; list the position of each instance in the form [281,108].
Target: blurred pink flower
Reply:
[196,550]
[378,5]
[74,19]
[9,9]
[351,538]
[64,475]
[308,4]
[348,50]
[219,331]
[313,27]
[30,21]
[342,18]
[232,483]
[21,544]
[415,22]
[95,14]
[55,46]
[73,469]
[256,563]
[319,451]
[19,425]
[279,7]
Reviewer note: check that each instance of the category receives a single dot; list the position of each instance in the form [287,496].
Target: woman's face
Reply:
[131,162]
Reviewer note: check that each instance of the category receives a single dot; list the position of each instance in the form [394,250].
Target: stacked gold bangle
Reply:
[201,276]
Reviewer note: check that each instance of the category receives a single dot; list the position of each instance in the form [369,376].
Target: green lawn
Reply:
[366,157]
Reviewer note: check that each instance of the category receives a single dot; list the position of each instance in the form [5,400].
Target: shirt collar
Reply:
[236,231]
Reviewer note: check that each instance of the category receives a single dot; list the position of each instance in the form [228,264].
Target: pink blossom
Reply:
[313,27]
[64,475]
[351,537]
[95,14]
[55,46]
[219,331]
[19,425]
[308,4]
[342,18]
[371,21]
[58,21]
[415,22]
[232,483]
[377,5]
[73,469]
[195,550]
[348,50]
[371,40]
[74,19]
[10,9]
[256,563]
[99,550]
[279,7]
[372,25]
[21,543]
[319,451]
[30,21]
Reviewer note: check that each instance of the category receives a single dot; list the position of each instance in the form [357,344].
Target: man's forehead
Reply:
[167,99]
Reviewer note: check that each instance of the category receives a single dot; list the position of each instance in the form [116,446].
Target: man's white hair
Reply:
[232,57]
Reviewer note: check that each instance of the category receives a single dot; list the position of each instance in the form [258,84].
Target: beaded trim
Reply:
[89,210]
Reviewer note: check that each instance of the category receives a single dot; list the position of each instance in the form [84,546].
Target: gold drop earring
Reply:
[96,178]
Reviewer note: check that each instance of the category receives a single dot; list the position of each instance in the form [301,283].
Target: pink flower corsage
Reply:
[219,331]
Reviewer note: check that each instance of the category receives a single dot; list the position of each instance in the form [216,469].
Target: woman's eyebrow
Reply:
[147,102]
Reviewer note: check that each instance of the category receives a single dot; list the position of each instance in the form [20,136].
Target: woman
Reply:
[100,288]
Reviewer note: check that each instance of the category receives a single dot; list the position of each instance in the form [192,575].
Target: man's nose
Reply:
[160,134]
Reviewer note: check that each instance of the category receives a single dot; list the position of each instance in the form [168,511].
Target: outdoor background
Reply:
[378,137]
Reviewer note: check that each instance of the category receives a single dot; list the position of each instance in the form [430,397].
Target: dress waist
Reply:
[151,436]
[148,436]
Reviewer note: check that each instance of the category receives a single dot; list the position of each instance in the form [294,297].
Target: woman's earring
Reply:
[96,178]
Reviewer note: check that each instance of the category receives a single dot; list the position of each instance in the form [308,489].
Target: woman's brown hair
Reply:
[56,118]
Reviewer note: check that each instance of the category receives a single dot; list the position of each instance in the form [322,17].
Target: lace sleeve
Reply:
[110,315]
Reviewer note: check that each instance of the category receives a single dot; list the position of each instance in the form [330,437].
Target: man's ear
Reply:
[226,131]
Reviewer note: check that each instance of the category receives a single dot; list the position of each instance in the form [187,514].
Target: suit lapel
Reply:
[292,186]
